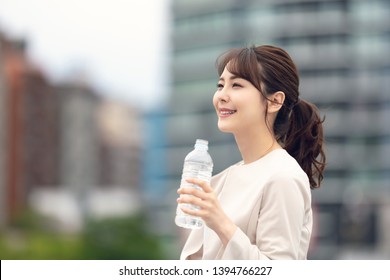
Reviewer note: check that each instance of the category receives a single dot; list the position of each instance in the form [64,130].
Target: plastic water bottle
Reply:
[197,164]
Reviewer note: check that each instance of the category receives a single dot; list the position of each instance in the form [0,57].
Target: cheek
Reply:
[215,100]
[255,112]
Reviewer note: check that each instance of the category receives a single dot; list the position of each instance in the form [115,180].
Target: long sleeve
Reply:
[283,224]
[270,202]
[193,248]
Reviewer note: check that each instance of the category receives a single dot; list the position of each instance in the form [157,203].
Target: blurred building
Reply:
[63,148]
[342,50]
[79,136]
[3,137]
[29,128]
[120,127]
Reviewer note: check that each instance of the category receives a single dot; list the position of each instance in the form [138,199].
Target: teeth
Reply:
[228,112]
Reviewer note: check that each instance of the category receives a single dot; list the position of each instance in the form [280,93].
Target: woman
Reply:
[259,208]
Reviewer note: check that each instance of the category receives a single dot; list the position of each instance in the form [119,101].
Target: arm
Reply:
[210,209]
[278,224]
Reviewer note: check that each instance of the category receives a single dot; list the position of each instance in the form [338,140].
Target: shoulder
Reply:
[281,166]
[286,176]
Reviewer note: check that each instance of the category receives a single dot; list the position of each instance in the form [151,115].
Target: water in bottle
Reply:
[197,164]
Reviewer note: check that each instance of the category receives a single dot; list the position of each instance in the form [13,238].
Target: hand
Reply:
[210,209]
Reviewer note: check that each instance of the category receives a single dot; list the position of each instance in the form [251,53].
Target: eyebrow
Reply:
[233,77]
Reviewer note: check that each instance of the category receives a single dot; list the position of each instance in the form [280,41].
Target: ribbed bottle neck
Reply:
[201,145]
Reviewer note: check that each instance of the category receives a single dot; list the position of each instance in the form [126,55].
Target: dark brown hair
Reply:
[298,126]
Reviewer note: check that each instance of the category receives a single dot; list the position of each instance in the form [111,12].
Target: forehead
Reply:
[226,74]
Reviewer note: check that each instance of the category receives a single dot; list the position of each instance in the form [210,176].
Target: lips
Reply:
[224,112]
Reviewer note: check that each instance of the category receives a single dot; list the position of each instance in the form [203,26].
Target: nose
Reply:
[223,96]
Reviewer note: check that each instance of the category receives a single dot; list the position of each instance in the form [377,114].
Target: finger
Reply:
[203,184]
[192,191]
[201,205]
[189,211]
[189,199]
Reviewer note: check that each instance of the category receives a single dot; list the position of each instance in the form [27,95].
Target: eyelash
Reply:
[234,85]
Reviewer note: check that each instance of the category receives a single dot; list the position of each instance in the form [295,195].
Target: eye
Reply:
[237,85]
[219,86]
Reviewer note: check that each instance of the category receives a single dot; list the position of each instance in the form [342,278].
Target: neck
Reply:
[256,145]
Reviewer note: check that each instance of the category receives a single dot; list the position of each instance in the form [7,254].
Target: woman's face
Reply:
[239,105]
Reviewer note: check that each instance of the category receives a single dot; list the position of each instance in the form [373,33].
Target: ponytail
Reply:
[304,140]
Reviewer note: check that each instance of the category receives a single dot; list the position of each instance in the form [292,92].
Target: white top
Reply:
[270,202]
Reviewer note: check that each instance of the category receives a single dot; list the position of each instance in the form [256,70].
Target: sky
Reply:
[121,47]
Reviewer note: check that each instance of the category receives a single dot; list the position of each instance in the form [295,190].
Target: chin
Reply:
[225,128]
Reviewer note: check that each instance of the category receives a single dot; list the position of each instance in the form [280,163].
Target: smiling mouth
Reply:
[225,113]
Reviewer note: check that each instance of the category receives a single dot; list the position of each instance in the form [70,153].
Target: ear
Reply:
[275,101]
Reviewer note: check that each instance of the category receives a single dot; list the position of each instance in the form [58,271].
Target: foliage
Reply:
[31,238]
[120,238]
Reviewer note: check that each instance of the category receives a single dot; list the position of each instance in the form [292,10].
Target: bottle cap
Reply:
[202,142]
